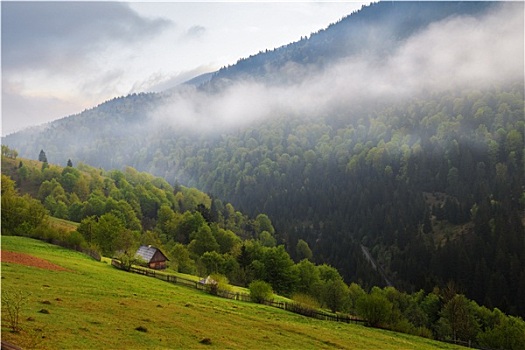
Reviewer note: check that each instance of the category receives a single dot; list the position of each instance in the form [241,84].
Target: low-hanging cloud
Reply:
[458,52]
[39,35]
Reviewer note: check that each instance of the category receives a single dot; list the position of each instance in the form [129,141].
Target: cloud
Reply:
[195,31]
[159,82]
[66,56]
[40,35]
[458,52]
[27,107]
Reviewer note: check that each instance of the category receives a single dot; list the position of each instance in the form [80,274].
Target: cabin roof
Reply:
[147,252]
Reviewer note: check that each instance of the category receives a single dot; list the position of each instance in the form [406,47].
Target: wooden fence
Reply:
[292,307]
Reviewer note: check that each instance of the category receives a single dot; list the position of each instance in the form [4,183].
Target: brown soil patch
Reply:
[29,260]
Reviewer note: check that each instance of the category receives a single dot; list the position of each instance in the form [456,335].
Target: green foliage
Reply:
[128,259]
[303,251]
[355,291]
[218,283]
[309,281]
[203,241]
[374,308]
[213,262]
[180,259]
[263,223]
[8,152]
[266,239]
[335,294]
[108,233]
[21,215]
[260,291]
[226,239]
[507,333]
[279,270]
[458,320]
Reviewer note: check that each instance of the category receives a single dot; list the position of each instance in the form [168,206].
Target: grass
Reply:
[94,305]
[61,224]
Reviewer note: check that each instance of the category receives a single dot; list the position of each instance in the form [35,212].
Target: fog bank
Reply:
[456,53]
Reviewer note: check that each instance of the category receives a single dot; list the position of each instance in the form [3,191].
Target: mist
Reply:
[456,53]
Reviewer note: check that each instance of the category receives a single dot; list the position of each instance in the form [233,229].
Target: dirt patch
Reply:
[29,260]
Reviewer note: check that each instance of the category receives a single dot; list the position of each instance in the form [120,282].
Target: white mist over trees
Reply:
[455,53]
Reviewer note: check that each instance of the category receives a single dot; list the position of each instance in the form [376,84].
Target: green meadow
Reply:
[93,305]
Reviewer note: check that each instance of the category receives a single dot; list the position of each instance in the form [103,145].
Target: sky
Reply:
[60,58]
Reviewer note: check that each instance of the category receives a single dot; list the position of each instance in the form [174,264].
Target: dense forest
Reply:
[429,178]
[118,210]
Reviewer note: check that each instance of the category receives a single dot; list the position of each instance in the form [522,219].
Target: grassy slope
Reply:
[96,306]
[62,224]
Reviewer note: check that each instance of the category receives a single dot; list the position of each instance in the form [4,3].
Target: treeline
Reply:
[211,239]
[349,36]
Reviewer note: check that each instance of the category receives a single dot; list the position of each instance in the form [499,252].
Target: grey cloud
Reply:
[38,34]
[195,31]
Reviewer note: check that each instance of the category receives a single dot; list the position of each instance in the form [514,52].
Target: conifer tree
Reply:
[42,156]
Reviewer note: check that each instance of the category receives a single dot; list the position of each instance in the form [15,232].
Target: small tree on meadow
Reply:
[375,308]
[219,283]
[260,291]
[13,303]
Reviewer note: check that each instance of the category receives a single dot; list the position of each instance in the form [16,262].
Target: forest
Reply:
[422,167]
[119,210]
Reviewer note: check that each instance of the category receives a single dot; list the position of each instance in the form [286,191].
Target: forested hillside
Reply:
[379,131]
[116,209]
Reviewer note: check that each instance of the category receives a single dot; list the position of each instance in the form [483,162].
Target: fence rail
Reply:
[292,307]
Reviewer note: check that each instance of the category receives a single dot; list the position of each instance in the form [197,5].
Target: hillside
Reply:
[378,131]
[377,31]
[108,306]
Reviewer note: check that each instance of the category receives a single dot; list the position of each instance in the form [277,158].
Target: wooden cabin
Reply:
[154,257]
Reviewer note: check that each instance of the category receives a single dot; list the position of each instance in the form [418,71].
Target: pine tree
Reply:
[42,156]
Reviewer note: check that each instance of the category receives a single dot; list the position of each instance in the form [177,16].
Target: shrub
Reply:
[374,308]
[219,283]
[260,291]
[127,260]
[509,333]
[13,303]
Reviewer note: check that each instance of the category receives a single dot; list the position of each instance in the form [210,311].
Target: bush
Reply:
[13,303]
[260,291]
[127,260]
[220,284]
[509,333]
[374,308]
